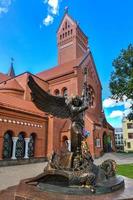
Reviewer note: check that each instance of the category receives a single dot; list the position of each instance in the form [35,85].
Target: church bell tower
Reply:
[72,42]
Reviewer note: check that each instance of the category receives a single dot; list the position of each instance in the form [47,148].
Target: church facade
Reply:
[25,131]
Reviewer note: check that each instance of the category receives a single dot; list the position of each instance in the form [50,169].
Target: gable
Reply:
[92,71]
[69,20]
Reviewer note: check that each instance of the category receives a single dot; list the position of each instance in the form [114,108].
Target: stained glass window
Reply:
[20,147]
[31,146]
[7,145]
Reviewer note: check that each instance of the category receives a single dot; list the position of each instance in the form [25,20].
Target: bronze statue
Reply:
[61,107]
[74,168]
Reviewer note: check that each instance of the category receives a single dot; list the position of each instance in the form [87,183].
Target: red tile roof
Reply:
[60,70]
[3,77]
[11,85]
[20,105]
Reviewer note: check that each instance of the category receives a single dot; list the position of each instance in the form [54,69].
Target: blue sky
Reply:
[28,33]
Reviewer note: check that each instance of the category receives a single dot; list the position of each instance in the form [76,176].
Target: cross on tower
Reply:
[66,9]
[12,60]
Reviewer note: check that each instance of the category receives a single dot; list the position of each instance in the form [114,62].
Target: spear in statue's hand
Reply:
[85,88]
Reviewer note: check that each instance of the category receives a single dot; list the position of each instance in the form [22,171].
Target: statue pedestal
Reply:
[30,192]
[25,191]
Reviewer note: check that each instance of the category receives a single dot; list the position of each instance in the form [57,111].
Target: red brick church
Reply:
[25,131]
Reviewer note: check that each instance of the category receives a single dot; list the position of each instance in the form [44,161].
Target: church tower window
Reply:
[65,25]
[91,96]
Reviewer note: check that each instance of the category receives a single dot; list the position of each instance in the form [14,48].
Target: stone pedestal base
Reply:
[31,192]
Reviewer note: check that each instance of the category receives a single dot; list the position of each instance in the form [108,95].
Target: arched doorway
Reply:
[20,146]
[106,143]
[7,145]
[31,145]
[64,92]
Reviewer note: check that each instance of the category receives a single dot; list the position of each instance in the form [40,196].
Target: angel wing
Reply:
[53,105]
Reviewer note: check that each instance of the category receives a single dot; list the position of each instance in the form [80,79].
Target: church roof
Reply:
[20,105]
[11,85]
[110,127]
[3,77]
[60,70]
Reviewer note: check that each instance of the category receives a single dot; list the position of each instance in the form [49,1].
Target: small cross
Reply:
[66,9]
[12,59]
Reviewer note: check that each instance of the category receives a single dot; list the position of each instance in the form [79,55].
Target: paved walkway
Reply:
[120,158]
[12,175]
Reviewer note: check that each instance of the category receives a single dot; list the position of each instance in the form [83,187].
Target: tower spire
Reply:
[11,72]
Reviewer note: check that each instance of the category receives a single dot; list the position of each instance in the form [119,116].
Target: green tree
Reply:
[121,83]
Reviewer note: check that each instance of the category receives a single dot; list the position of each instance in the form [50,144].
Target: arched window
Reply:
[65,25]
[20,146]
[56,92]
[7,145]
[91,96]
[71,31]
[64,92]
[65,143]
[31,146]
[60,37]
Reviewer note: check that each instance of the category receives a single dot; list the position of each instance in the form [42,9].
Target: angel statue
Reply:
[72,108]
[75,168]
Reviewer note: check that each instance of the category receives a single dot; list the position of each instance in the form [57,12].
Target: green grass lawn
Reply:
[125,170]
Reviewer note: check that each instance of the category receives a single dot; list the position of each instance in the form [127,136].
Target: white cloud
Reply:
[109,103]
[116,113]
[124,111]
[53,6]
[48,20]
[3,10]
[52,9]
[119,113]
[127,104]
[4,6]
